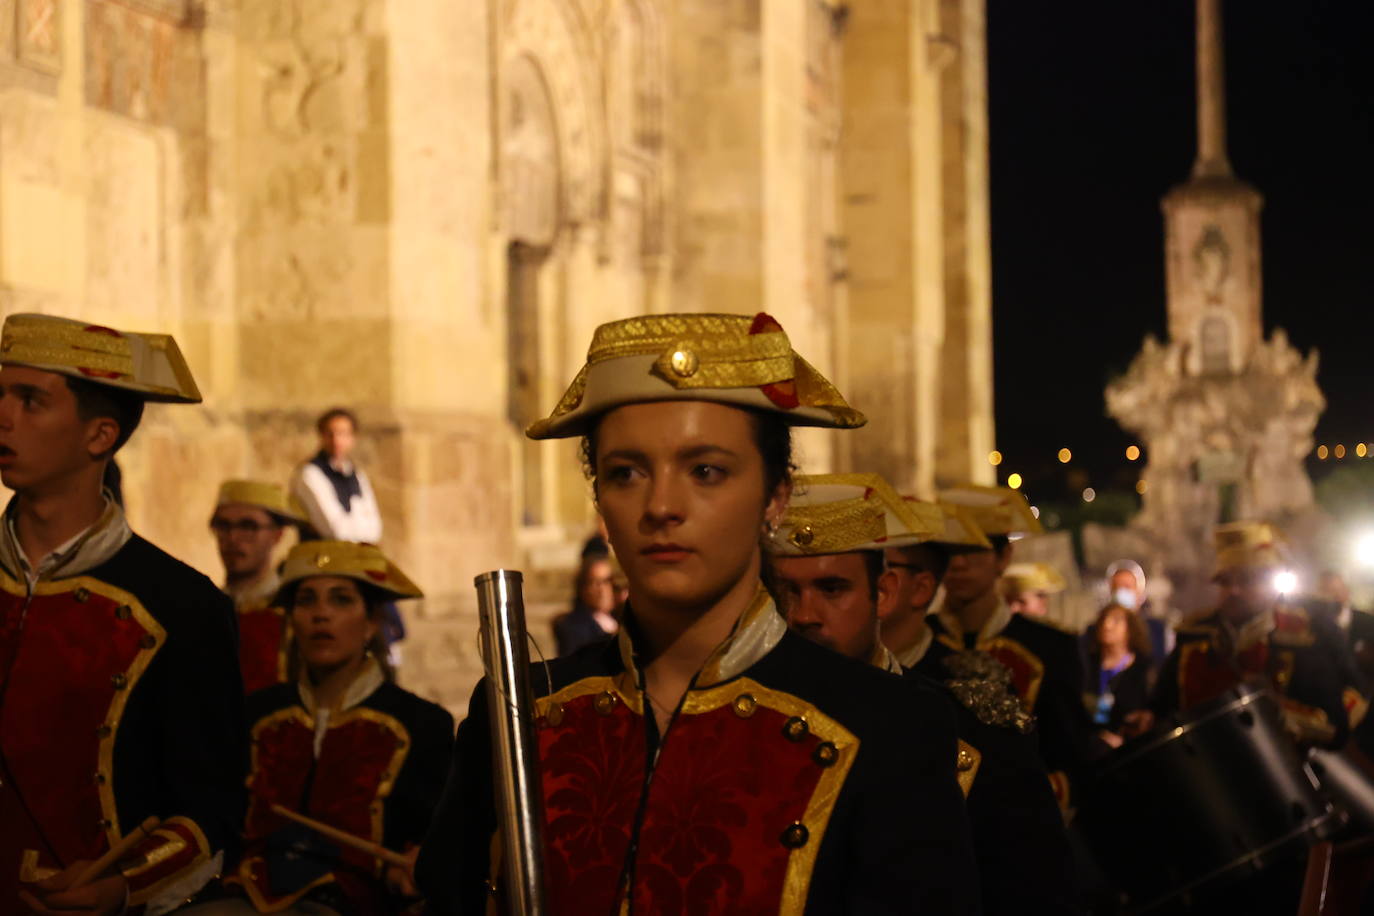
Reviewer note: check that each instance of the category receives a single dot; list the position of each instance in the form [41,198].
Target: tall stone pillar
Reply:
[965,435]
[913,177]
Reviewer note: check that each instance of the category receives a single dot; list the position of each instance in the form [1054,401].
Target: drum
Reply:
[1204,799]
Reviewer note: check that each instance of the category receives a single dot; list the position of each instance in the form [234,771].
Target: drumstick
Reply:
[346,838]
[117,851]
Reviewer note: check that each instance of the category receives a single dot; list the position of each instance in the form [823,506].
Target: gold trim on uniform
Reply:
[376,807]
[832,527]
[967,761]
[174,845]
[127,679]
[801,861]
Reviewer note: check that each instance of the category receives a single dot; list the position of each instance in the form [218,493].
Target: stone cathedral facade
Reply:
[422,208]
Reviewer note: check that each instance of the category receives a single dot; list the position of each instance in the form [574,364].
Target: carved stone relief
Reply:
[39,34]
[548,32]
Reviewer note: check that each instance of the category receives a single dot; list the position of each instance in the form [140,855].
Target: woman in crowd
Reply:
[1118,670]
[343,746]
[709,760]
[592,617]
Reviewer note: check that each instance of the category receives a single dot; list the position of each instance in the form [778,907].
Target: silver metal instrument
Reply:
[515,754]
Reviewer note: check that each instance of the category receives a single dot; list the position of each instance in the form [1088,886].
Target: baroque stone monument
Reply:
[1226,415]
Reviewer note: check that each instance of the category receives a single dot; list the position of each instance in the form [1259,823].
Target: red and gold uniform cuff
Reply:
[168,853]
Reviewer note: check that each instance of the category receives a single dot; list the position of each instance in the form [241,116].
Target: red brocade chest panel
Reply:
[1204,673]
[1027,671]
[735,809]
[69,663]
[262,647]
[360,755]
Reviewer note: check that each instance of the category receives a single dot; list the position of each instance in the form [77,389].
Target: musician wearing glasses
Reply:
[120,701]
[249,521]
[838,592]
[344,748]
[1255,636]
[708,760]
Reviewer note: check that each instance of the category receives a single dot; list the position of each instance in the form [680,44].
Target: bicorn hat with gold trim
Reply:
[728,359]
[995,510]
[270,497]
[362,562]
[1033,577]
[845,513]
[1248,545]
[957,528]
[149,365]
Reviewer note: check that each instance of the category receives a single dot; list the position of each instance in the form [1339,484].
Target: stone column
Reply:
[1211,160]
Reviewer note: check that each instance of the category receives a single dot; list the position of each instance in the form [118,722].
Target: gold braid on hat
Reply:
[835,527]
[50,342]
[708,351]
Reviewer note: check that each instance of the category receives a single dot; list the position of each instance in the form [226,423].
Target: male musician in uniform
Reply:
[249,520]
[836,593]
[1255,636]
[1044,662]
[119,688]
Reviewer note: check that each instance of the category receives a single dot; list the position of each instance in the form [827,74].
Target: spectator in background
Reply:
[1333,598]
[1027,587]
[1126,588]
[592,617]
[1118,670]
[338,499]
[335,492]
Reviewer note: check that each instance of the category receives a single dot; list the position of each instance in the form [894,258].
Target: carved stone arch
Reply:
[551,34]
[1216,343]
[531,161]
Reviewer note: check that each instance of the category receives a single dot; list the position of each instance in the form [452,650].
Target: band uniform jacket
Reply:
[1047,674]
[1290,650]
[374,768]
[264,638]
[1025,864]
[119,700]
[790,781]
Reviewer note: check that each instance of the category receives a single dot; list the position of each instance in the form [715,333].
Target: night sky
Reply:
[1092,119]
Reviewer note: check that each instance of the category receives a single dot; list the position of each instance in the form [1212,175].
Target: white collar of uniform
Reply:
[757,630]
[1001,616]
[364,684]
[1253,631]
[912,654]
[884,659]
[84,551]
[256,594]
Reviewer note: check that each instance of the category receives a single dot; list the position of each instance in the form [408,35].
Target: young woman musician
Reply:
[708,760]
[343,746]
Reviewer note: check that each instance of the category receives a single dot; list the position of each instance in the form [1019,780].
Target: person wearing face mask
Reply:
[708,760]
[343,746]
[1044,662]
[1126,586]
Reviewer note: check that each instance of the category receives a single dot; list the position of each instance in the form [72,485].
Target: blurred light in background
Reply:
[1285,582]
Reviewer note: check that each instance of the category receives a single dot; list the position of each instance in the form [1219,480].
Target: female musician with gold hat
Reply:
[709,760]
[343,746]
